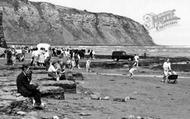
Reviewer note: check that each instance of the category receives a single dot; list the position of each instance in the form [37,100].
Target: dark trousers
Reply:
[9,61]
[35,94]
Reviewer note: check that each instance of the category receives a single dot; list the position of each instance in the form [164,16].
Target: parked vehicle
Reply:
[117,55]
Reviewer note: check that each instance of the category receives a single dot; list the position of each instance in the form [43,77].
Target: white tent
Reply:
[45,46]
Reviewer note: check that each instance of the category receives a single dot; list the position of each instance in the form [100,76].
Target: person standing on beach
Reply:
[88,62]
[136,58]
[9,57]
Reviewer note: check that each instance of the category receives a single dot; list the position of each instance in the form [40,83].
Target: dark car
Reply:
[117,55]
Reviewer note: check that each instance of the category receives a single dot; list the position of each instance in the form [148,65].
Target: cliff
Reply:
[35,22]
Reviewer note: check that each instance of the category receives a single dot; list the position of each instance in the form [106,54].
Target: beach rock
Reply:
[53,91]
[67,86]
[21,113]
[55,117]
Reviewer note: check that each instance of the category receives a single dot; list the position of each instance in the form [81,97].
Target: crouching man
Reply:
[25,88]
[132,68]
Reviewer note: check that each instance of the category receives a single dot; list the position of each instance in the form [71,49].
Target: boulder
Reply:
[68,86]
[52,92]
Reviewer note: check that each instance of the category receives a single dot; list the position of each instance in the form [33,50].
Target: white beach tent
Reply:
[45,46]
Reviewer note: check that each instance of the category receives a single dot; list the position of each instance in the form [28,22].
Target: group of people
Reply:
[71,57]
[57,68]
[12,55]
[167,70]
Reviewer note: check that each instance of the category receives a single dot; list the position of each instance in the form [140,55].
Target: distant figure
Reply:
[166,69]
[35,54]
[132,68]
[73,64]
[13,56]
[77,58]
[41,59]
[9,57]
[136,58]
[145,55]
[90,54]
[69,63]
[93,54]
[61,66]
[25,88]
[88,62]
[47,63]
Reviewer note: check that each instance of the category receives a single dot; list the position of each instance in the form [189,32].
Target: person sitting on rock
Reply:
[25,88]
[69,63]
[61,66]
[53,71]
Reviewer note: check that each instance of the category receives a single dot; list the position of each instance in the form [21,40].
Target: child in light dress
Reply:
[88,62]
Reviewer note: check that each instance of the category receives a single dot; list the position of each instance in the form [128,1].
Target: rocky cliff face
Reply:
[34,22]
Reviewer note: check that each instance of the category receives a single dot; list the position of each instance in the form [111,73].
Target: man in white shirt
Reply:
[166,69]
[136,58]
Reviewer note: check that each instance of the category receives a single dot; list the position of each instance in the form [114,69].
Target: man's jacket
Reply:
[23,85]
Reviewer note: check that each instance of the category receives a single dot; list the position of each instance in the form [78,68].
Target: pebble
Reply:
[139,117]
[106,98]
[131,116]
[84,114]
[127,98]
[55,117]
[95,97]
[21,113]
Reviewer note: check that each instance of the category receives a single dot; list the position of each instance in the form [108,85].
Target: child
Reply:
[88,62]
[132,68]
[73,64]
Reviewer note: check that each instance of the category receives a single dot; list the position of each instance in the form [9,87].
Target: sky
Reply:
[178,34]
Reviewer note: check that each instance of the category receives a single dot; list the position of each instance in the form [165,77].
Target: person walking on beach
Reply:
[166,69]
[136,58]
